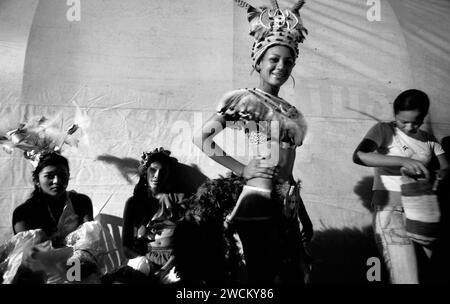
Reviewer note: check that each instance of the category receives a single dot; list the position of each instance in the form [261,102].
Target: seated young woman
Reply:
[56,212]
[150,216]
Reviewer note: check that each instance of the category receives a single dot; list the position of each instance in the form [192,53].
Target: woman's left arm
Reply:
[89,213]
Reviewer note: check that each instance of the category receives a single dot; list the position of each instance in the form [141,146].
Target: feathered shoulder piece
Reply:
[252,104]
[274,26]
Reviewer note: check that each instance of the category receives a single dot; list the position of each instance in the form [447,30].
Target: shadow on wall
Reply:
[340,256]
[128,167]
[364,190]
[186,178]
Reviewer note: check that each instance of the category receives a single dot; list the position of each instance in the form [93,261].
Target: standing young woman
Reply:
[394,148]
[267,213]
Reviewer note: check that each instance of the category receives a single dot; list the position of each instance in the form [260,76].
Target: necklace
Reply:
[276,102]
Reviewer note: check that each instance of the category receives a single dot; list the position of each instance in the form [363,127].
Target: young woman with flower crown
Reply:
[267,213]
[150,216]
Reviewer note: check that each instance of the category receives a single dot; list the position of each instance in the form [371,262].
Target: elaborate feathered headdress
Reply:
[37,137]
[273,26]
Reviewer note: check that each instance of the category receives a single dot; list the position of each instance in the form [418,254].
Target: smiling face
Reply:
[409,121]
[53,180]
[275,68]
[157,176]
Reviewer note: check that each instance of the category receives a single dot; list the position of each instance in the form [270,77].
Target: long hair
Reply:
[141,191]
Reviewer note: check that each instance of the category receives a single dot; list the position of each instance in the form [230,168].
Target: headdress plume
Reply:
[38,136]
[274,26]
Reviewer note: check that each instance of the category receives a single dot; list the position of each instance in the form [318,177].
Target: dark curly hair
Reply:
[200,239]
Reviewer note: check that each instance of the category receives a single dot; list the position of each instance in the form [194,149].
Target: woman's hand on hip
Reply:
[259,168]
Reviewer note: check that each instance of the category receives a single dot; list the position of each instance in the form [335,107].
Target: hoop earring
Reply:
[293,80]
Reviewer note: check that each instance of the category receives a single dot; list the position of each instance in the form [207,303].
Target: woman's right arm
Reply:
[204,139]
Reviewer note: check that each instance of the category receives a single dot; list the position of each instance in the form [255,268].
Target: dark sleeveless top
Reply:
[36,215]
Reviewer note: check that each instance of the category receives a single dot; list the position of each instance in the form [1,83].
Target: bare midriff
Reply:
[165,239]
[285,165]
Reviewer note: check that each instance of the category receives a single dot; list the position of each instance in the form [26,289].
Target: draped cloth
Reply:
[421,208]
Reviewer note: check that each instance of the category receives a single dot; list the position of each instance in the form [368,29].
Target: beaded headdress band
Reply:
[273,26]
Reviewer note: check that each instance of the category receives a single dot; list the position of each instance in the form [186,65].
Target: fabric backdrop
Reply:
[142,74]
